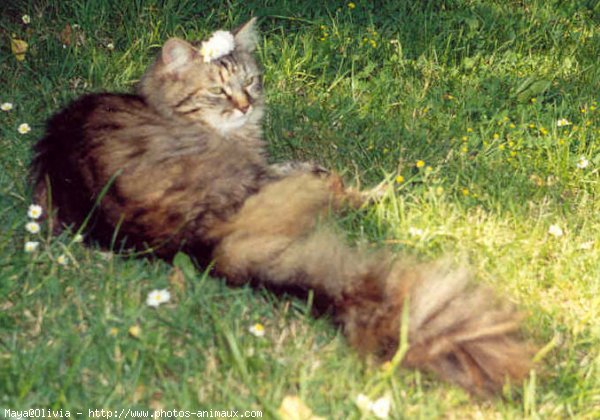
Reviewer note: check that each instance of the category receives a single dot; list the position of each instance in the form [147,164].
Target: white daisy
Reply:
[26,19]
[563,122]
[110,46]
[413,231]
[31,246]
[555,231]
[157,297]
[586,246]
[257,330]
[582,163]
[32,227]
[62,259]
[24,128]
[381,407]
[363,402]
[6,106]
[34,211]
[220,43]
[78,238]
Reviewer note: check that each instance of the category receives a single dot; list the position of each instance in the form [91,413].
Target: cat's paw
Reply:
[295,167]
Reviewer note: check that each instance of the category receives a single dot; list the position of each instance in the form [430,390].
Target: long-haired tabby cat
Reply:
[182,166]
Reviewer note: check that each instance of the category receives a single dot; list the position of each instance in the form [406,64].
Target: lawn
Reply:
[482,115]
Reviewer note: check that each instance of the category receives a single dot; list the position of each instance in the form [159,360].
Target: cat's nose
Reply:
[244,107]
[242,103]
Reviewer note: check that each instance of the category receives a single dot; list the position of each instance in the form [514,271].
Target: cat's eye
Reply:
[248,81]
[216,90]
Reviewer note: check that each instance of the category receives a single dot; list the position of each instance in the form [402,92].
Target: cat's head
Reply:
[224,93]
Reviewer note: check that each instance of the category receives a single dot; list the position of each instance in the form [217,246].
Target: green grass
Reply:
[472,88]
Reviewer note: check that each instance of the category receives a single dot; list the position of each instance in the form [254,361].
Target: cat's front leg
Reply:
[285,169]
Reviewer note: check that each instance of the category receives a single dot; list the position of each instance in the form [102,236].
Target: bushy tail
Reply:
[459,331]
[455,330]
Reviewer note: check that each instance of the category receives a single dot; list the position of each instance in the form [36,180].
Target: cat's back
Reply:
[78,127]
[151,172]
[63,169]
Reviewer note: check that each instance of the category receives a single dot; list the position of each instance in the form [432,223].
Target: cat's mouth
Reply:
[238,113]
[231,119]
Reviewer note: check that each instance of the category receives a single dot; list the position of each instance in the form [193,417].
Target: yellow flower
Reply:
[533,100]
[469,130]
[113,332]
[496,136]
[373,43]
[420,164]
[511,125]
[543,131]
[18,48]
[24,128]
[386,366]
[134,331]
[399,179]
[465,191]
[351,5]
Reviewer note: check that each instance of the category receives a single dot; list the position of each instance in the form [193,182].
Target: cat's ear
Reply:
[245,36]
[176,53]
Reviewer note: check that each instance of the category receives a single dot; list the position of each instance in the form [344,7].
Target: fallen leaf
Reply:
[18,48]
[155,403]
[65,35]
[292,408]
[139,393]
[177,280]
